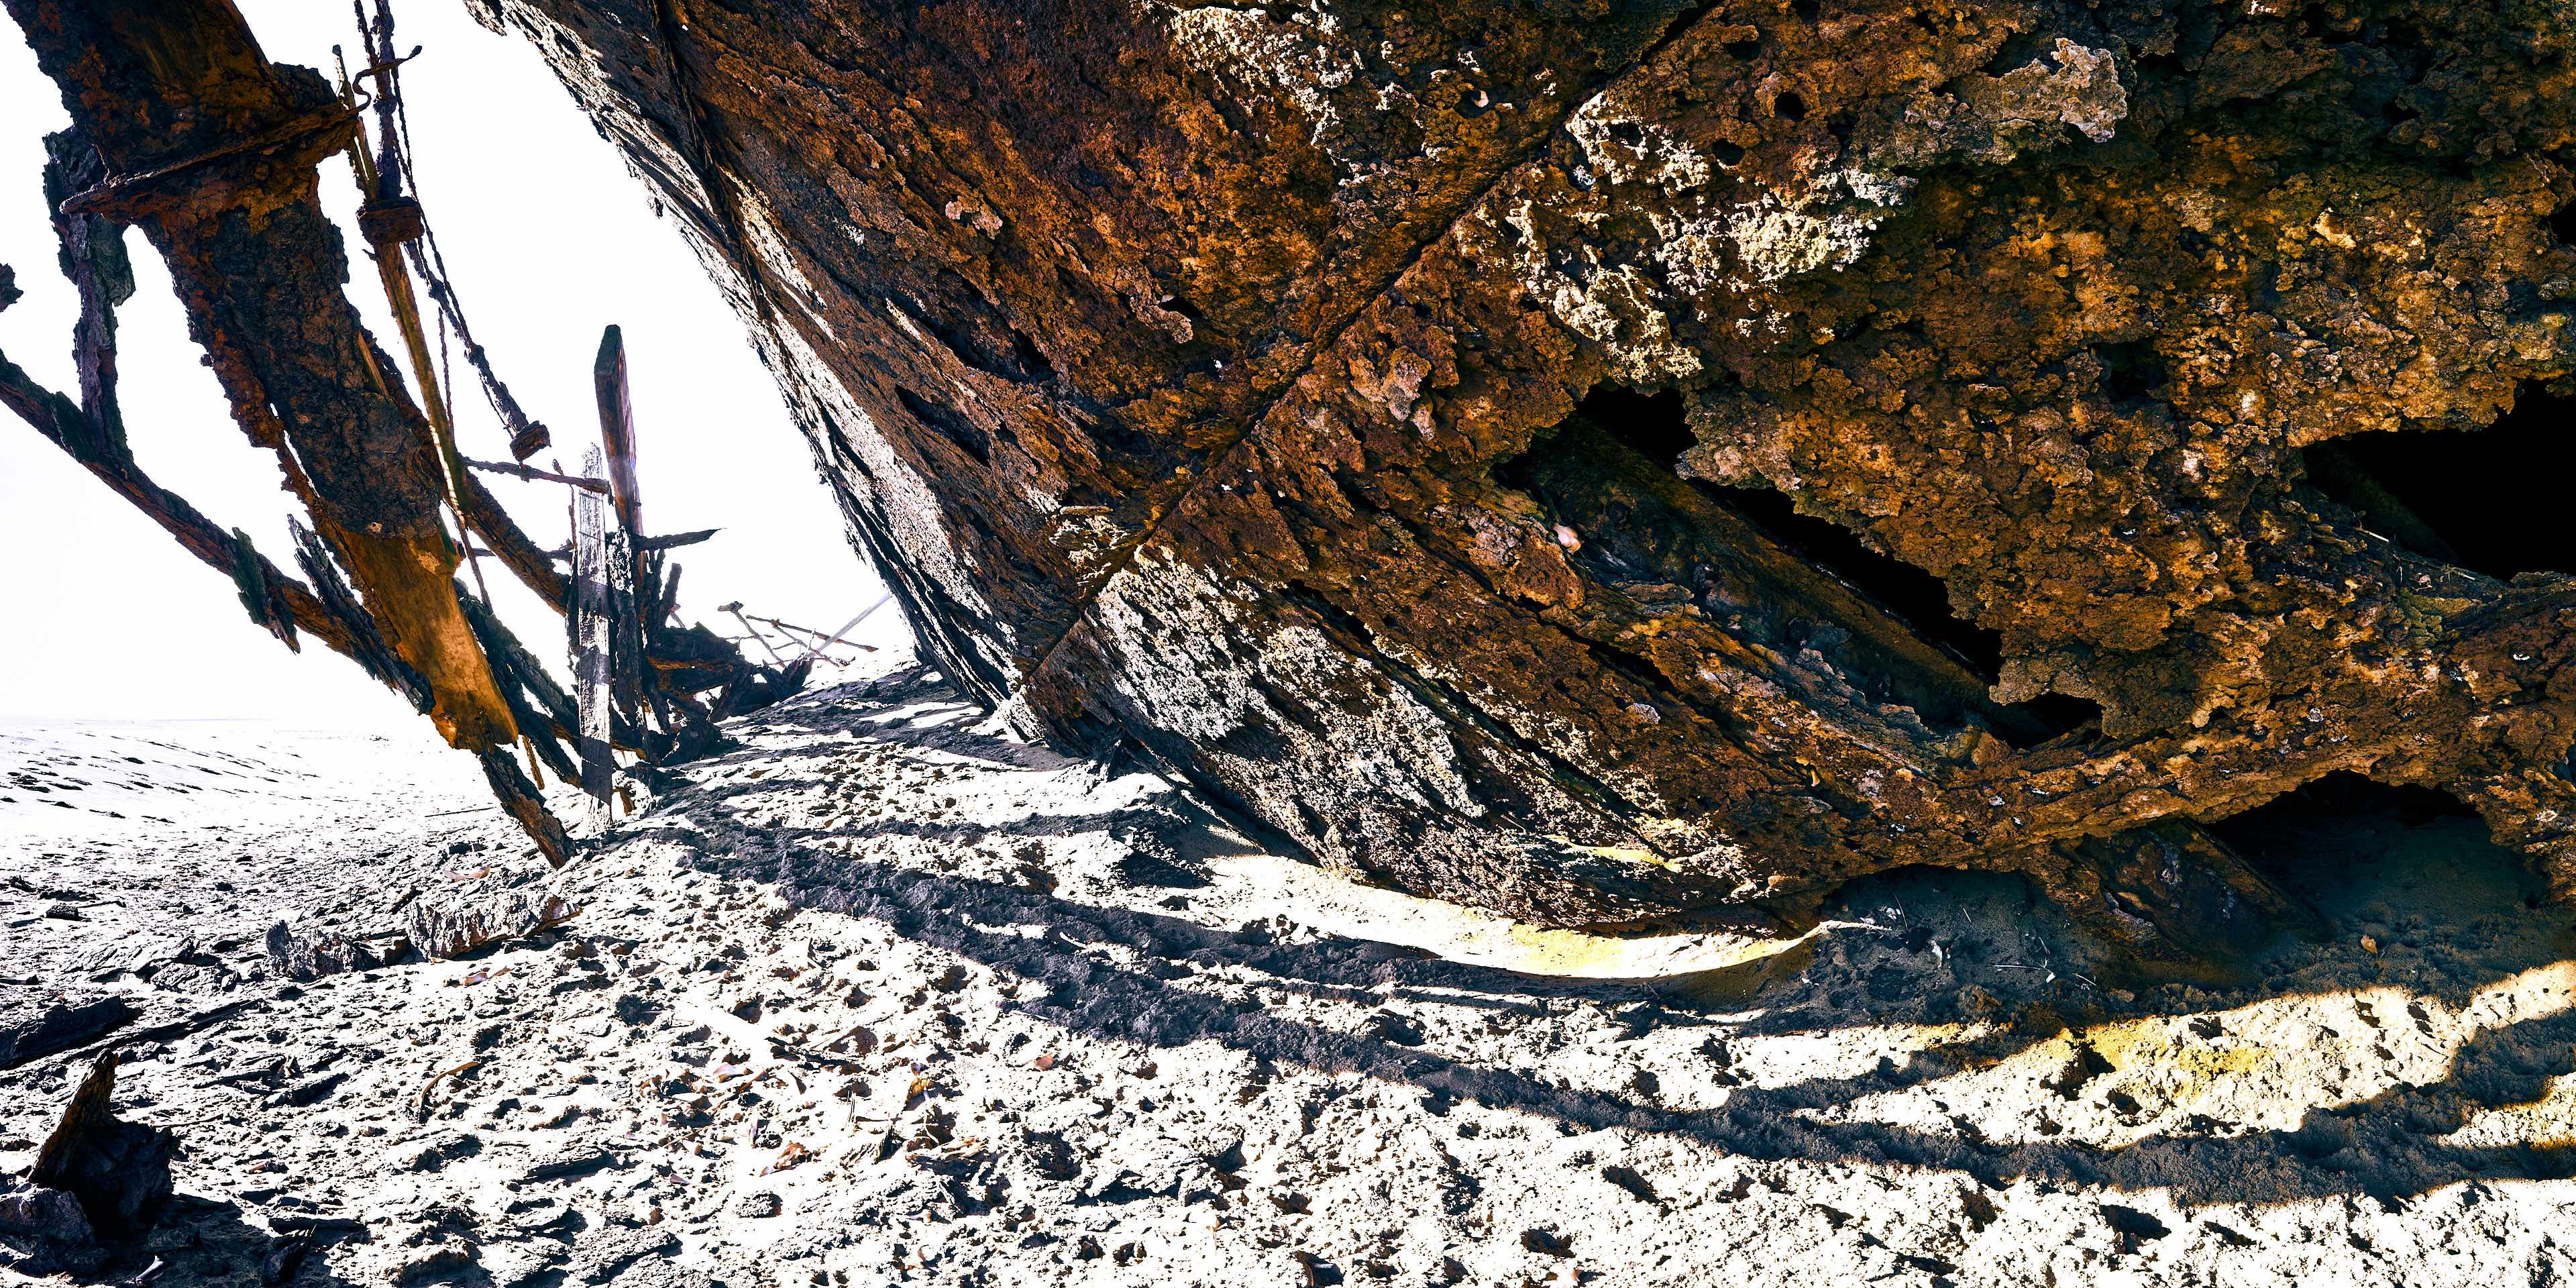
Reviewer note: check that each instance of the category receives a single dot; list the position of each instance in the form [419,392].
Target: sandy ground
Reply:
[880,997]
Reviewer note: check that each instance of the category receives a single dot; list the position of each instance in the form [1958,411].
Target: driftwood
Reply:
[119,1171]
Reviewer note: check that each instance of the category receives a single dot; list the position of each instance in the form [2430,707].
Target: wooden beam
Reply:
[513,547]
[617,429]
[60,421]
[617,437]
[593,647]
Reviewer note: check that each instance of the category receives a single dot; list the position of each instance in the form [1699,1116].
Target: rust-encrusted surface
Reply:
[1362,405]
[212,151]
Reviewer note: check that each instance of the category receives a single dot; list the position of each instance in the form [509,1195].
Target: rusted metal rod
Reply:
[535,475]
[389,224]
[853,623]
[735,608]
[815,649]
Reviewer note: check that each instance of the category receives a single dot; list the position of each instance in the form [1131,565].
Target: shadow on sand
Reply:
[2449,918]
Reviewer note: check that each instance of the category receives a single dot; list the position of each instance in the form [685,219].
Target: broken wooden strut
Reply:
[307,382]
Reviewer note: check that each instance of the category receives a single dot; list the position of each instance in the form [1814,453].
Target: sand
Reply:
[881,996]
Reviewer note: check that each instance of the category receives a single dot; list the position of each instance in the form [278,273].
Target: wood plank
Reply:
[625,625]
[593,645]
[617,435]
[617,429]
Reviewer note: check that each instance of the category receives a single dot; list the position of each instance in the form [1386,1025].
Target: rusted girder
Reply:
[213,151]
[91,428]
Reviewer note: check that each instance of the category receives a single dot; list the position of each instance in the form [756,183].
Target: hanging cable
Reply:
[387,221]
[527,437]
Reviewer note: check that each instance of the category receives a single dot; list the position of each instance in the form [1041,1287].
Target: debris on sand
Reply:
[119,1171]
[879,995]
[450,926]
[310,955]
[32,1031]
[440,927]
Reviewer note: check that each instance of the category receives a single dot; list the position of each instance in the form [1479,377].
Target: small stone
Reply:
[37,1212]
[451,926]
[311,955]
[437,1259]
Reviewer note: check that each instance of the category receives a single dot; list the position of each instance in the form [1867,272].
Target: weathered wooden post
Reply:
[617,429]
[617,435]
[593,640]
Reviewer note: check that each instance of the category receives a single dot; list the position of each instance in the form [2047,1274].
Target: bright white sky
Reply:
[548,239]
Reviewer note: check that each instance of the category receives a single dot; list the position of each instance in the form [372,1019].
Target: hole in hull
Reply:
[2130,369]
[2487,500]
[2413,869]
[1659,430]
[2301,837]
[1914,596]
[2341,795]
[1655,426]
[1656,429]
